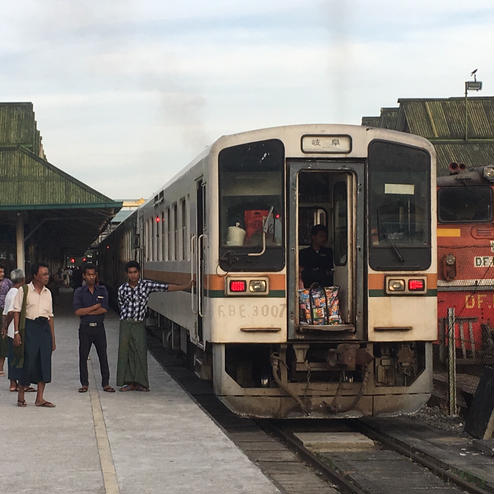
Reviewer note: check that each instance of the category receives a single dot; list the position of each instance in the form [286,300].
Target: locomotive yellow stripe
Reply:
[448,232]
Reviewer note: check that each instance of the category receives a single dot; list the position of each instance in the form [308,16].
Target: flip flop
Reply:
[29,389]
[83,389]
[127,387]
[109,389]
[45,404]
[21,403]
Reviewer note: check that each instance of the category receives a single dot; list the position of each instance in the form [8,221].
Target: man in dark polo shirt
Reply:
[91,304]
[316,261]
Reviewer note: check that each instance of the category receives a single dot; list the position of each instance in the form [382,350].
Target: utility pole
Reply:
[470,86]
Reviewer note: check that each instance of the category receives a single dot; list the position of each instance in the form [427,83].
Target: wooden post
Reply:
[451,362]
[19,237]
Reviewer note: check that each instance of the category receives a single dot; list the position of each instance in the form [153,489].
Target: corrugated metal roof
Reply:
[445,118]
[18,127]
[442,121]
[472,154]
[27,181]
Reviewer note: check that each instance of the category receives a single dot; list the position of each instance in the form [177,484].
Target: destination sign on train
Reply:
[326,144]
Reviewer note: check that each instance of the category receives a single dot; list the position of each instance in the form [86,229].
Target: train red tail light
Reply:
[238,286]
[416,285]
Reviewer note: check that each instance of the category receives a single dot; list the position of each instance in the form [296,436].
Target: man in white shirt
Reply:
[17,277]
[33,349]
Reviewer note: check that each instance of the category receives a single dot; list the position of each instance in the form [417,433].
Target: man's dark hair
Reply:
[35,268]
[88,266]
[318,228]
[133,264]
[3,267]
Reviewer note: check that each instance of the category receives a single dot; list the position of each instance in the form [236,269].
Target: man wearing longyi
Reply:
[34,335]
[133,296]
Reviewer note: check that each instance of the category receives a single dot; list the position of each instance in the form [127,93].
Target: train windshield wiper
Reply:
[397,251]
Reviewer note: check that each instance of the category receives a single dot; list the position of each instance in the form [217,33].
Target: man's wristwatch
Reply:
[16,332]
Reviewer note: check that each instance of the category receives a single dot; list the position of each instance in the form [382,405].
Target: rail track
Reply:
[356,471]
[389,466]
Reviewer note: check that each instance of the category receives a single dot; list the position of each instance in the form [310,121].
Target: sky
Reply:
[127,92]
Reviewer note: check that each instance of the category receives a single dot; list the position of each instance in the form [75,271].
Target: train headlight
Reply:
[450,260]
[488,173]
[395,285]
[257,286]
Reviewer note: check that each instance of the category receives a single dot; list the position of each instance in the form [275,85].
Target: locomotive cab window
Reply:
[464,204]
[251,206]
[399,207]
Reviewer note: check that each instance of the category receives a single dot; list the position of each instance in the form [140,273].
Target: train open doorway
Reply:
[325,295]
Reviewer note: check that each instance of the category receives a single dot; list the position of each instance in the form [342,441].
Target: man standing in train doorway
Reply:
[316,261]
[133,296]
[91,304]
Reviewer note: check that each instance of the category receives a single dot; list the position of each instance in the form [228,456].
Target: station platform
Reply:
[97,442]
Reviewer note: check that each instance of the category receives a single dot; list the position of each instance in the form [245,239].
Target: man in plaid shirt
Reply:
[133,296]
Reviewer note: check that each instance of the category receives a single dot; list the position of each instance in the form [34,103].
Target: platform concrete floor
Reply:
[134,442]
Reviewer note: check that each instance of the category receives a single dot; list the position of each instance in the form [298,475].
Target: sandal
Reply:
[83,389]
[142,388]
[45,404]
[21,403]
[127,387]
[2,373]
[108,389]
[29,389]
[13,390]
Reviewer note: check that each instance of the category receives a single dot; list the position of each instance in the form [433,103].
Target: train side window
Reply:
[162,243]
[183,210]
[169,235]
[175,232]
[464,204]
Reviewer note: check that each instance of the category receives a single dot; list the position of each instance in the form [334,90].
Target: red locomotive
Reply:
[465,236]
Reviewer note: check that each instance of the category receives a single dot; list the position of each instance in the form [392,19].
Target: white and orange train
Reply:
[235,219]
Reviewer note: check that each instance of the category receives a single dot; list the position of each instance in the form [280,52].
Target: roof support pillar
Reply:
[19,237]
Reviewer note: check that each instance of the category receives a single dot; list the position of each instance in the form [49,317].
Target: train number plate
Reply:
[245,311]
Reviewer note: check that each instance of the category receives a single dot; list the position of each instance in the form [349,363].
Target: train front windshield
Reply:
[251,178]
[399,207]
[465,204]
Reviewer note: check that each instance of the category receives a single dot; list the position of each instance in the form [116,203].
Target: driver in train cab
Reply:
[316,261]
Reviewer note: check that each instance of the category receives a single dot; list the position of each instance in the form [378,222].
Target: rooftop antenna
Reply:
[470,86]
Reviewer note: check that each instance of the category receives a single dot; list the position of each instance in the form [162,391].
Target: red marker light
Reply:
[416,285]
[158,219]
[84,259]
[277,216]
[72,260]
[238,286]
[107,246]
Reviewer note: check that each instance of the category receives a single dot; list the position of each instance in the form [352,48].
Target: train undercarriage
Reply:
[315,380]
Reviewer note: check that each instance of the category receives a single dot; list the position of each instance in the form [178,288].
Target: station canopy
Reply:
[60,214]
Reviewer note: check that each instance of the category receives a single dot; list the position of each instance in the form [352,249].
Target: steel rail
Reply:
[331,472]
[442,470]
